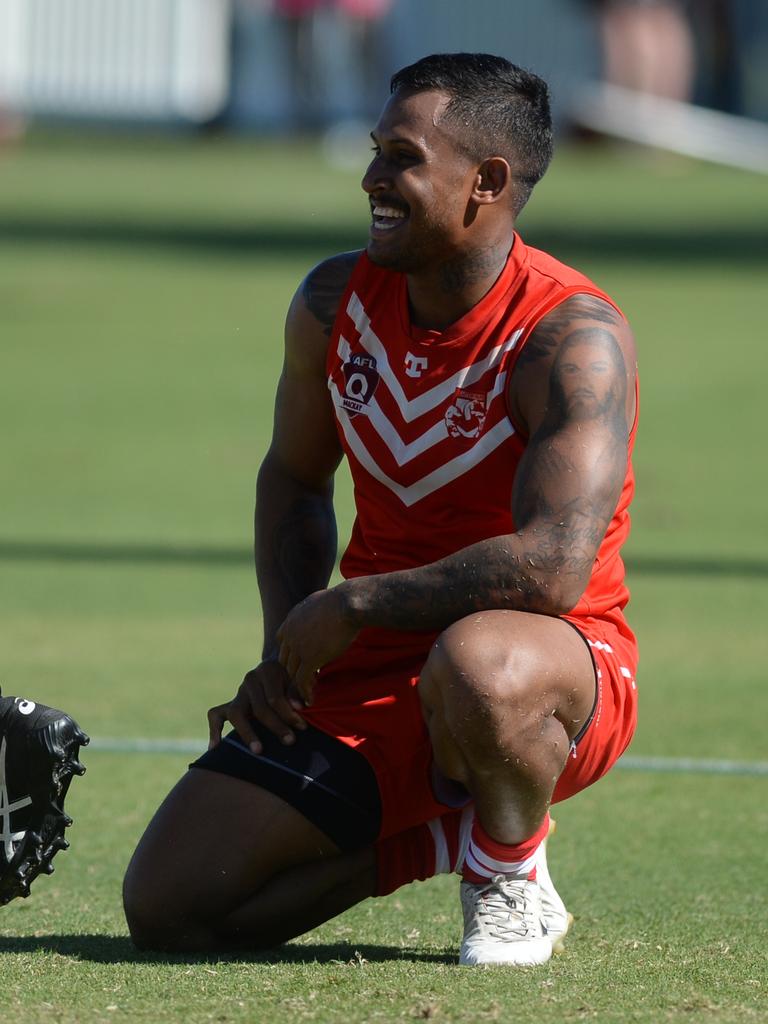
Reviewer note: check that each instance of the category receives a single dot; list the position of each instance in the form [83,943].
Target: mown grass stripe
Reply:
[226,556]
[631,763]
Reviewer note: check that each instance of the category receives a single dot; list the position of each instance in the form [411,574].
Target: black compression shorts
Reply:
[327,781]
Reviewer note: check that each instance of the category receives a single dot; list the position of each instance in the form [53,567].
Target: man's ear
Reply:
[493,180]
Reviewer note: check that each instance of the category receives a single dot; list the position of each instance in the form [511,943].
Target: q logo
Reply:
[360,380]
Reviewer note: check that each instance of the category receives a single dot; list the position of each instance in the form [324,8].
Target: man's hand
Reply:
[315,632]
[266,695]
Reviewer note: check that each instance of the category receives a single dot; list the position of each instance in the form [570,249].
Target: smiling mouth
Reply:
[385,218]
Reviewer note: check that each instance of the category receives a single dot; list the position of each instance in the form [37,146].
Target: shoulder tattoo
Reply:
[324,286]
[549,331]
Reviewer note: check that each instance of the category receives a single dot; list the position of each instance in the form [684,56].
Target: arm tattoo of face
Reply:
[589,379]
[324,286]
[570,495]
[548,332]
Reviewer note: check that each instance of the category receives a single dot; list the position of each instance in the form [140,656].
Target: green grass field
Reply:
[142,289]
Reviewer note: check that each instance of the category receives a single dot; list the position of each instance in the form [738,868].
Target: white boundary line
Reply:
[140,745]
[630,763]
[702,765]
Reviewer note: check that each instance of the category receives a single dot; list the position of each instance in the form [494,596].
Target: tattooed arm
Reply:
[295,526]
[573,390]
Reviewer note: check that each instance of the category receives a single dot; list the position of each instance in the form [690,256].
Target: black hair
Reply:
[495,107]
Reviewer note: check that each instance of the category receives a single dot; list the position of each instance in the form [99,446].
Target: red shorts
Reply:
[368,699]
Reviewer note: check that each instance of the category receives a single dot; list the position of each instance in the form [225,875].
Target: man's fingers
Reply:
[216,718]
[233,714]
[281,709]
[267,697]
[302,677]
[271,720]
[305,683]
[298,703]
[243,727]
[289,659]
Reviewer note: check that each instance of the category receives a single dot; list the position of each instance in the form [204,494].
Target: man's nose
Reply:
[375,177]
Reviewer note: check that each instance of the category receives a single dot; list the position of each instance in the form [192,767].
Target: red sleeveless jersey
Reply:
[423,419]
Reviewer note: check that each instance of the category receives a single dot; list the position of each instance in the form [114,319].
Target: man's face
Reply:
[585,364]
[418,185]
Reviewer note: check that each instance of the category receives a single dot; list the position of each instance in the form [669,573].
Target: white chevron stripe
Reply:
[404,451]
[442,860]
[412,408]
[444,474]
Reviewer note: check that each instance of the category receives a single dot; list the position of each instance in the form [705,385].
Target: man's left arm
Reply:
[573,388]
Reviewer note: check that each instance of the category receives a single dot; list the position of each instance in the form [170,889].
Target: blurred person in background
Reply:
[297,20]
[647,46]
[13,125]
[334,50]
[475,665]
[363,20]
[723,27]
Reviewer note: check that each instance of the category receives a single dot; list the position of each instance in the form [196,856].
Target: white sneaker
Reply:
[557,920]
[503,923]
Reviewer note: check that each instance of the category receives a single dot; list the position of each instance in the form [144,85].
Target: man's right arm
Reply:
[295,526]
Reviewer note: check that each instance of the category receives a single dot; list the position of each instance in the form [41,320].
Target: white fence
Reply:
[131,59]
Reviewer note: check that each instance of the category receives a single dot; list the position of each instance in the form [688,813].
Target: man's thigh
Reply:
[255,848]
[327,781]
[212,844]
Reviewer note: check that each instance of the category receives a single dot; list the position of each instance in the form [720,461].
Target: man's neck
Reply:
[440,297]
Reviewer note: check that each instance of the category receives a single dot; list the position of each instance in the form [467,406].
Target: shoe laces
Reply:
[506,908]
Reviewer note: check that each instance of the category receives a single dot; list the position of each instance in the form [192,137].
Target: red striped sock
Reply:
[487,858]
[420,852]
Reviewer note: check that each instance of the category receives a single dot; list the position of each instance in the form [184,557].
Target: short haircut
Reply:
[495,108]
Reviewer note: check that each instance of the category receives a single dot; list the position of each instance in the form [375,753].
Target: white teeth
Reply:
[387,211]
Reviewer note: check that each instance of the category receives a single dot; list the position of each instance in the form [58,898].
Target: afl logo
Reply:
[360,380]
[466,417]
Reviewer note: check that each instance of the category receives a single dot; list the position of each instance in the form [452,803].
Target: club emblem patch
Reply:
[360,381]
[466,416]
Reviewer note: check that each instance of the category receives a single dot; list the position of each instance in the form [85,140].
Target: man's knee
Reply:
[154,911]
[475,663]
[149,927]
[168,919]
[489,696]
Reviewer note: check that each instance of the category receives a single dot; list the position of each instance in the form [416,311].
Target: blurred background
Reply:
[282,66]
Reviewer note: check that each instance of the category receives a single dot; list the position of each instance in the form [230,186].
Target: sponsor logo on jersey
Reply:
[360,381]
[415,365]
[465,417]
